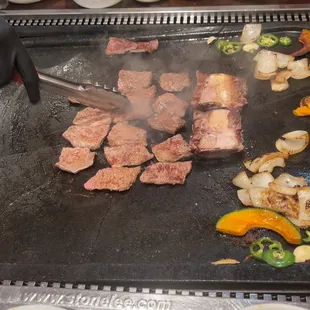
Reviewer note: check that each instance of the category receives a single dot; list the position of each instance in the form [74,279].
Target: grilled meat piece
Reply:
[171,150]
[92,117]
[118,46]
[216,133]
[214,91]
[166,173]
[113,179]
[166,122]
[129,80]
[90,137]
[123,133]
[127,155]
[170,103]
[74,160]
[174,82]
[141,102]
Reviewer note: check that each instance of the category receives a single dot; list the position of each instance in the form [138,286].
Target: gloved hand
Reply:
[14,56]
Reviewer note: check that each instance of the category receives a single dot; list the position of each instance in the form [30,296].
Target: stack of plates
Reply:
[24,1]
[96,4]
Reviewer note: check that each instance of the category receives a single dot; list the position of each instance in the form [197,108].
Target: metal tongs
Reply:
[91,95]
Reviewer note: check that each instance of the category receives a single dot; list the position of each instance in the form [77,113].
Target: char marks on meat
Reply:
[170,103]
[166,173]
[123,133]
[220,90]
[113,179]
[130,80]
[117,46]
[216,133]
[166,122]
[127,155]
[174,82]
[92,117]
[172,150]
[87,136]
[74,160]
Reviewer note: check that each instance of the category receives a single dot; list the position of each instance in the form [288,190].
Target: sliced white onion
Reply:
[242,180]
[283,60]
[255,164]
[279,86]
[211,39]
[269,165]
[250,33]
[263,76]
[250,47]
[258,196]
[244,197]
[284,190]
[283,76]
[261,180]
[300,69]
[293,142]
[267,63]
[302,253]
[285,179]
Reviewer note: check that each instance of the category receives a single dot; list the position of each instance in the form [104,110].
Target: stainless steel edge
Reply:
[207,9]
[66,296]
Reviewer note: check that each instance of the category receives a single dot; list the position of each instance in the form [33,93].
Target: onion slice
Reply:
[262,180]
[244,197]
[255,164]
[242,180]
[284,190]
[271,164]
[267,63]
[250,33]
[293,142]
[283,60]
[300,68]
[285,179]
[302,253]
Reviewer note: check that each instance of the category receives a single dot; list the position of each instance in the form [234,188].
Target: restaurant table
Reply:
[70,4]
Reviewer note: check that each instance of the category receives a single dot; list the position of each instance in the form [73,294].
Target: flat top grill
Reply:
[59,232]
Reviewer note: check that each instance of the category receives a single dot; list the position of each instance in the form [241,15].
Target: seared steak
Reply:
[174,82]
[123,133]
[129,80]
[121,46]
[113,179]
[92,117]
[170,103]
[216,133]
[171,150]
[127,155]
[75,160]
[90,137]
[215,91]
[166,173]
[166,122]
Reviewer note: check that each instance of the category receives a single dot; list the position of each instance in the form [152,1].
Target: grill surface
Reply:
[53,230]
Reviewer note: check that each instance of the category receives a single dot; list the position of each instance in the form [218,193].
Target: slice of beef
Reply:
[146,47]
[141,102]
[166,122]
[117,46]
[113,179]
[87,136]
[129,80]
[174,82]
[123,133]
[170,103]
[75,160]
[171,150]
[166,173]
[127,155]
[220,90]
[92,117]
[216,133]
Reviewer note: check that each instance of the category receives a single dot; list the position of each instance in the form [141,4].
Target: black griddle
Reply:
[54,230]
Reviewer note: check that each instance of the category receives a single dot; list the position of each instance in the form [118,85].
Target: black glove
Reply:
[14,56]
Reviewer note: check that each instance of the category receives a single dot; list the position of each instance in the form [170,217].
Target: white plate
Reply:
[24,1]
[96,4]
[273,307]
